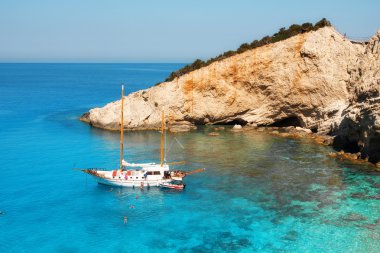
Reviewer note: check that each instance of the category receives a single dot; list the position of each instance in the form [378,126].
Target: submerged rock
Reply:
[323,139]
[308,131]
[181,126]
[354,217]
[352,157]
[290,236]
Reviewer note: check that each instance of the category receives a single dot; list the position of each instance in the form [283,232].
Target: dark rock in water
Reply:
[374,225]
[357,158]
[244,242]
[291,236]
[325,203]
[85,117]
[354,217]
[373,183]
[198,248]
[225,234]
[370,180]
[222,241]
[276,221]
[358,195]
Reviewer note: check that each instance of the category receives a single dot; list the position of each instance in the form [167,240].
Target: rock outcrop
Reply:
[317,80]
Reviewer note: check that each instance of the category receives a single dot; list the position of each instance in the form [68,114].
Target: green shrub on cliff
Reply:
[322,23]
[282,34]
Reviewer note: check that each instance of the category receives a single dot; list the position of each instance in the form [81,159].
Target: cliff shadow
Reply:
[359,136]
[288,121]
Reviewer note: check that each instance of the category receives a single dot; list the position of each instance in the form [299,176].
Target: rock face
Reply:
[359,129]
[317,80]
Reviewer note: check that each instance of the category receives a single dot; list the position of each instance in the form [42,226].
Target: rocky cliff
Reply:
[317,80]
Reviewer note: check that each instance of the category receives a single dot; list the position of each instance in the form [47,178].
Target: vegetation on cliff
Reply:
[282,34]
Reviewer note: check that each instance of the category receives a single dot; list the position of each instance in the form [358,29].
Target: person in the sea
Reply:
[125,219]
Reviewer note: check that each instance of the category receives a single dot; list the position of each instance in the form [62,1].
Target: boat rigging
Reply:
[140,174]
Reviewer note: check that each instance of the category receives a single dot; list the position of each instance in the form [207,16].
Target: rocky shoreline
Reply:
[325,140]
[303,133]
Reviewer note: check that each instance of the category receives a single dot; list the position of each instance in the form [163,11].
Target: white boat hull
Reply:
[151,175]
[132,183]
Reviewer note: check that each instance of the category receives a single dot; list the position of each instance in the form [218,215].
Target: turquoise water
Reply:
[259,193]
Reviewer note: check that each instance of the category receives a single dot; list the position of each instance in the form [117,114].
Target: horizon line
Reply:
[137,62]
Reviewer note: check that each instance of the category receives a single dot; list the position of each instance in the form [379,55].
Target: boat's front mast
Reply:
[162,139]
[122,128]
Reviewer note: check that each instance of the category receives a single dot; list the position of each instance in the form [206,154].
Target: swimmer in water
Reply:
[125,219]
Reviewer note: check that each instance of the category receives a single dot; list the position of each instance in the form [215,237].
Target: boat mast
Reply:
[122,127]
[162,139]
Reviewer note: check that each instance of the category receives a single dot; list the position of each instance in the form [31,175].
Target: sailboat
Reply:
[135,174]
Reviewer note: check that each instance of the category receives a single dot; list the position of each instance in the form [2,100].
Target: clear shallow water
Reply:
[259,193]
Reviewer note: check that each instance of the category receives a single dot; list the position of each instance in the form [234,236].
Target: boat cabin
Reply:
[149,171]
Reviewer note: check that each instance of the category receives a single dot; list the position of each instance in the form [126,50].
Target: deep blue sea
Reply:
[260,193]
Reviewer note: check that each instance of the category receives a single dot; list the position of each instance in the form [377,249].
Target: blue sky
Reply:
[160,30]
